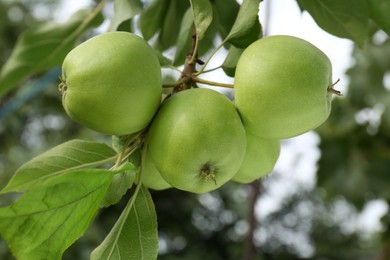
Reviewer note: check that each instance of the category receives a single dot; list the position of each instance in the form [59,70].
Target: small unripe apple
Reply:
[151,177]
[283,87]
[260,158]
[111,83]
[197,140]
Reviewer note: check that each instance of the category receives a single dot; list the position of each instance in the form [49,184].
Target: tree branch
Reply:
[249,253]
[189,66]
[385,253]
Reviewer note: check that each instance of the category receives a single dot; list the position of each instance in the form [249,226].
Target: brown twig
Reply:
[189,66]
[249,253]
[385,253]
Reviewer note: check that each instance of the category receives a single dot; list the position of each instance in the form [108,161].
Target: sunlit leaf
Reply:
[134,235]
[74,154]
[120,184]
[203,15]
[47,219]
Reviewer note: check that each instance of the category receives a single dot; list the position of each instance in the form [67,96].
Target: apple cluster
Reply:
[197,139]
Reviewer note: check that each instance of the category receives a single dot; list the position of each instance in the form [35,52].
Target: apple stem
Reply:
[172,85]
[212,83]
[209,58]
[132,143]
[334,91]
[188,77]
[213,69]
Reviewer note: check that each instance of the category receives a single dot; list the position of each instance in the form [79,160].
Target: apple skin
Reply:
[197,140]
[151,177]
[260,158]
[281,87]
[112,83]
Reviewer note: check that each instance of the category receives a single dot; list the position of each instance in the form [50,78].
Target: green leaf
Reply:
[163,17]
[152,18]
[226,13]
[118,143]
[74,154]
[380,12]
[230,63]
[184,40]
[172,18]
[246,28]
[135,158]
[134,235]
[124,10]
[183,43]
[203,15]
[44,46]
[47,219]
[208,39]
[164,61]
[120,184]
[340,17]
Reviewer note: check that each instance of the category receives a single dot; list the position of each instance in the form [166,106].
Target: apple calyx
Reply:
[208,173]
[62,87]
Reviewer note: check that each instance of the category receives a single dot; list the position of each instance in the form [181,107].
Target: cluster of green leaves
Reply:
[344,20]
[60,192]
[237,25]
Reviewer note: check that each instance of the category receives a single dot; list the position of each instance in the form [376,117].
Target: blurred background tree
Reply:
[318,221]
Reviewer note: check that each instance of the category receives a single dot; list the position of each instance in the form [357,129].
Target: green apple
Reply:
[111,83]
[260,158]
[151,177]
[283,87]
[197,140]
